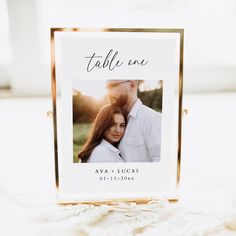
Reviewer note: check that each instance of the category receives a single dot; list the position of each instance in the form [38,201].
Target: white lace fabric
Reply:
[158,217]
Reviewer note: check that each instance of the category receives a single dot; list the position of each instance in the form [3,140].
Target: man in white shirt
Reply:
[142,139]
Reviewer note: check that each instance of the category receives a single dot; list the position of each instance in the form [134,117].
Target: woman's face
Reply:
[116,131]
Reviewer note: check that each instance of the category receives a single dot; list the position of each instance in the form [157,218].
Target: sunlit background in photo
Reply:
[86,87]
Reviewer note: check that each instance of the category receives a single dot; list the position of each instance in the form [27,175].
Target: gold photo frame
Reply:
[61,68]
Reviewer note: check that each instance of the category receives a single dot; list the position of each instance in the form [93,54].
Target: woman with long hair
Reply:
[107,131]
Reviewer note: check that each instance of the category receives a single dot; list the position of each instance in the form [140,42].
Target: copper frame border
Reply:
[54,97]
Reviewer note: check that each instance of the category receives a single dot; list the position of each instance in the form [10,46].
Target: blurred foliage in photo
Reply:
[80,135]
[152,98]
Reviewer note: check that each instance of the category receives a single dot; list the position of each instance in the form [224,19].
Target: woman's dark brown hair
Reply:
[103,121]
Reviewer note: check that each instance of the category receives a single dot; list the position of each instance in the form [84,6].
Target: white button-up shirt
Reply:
[105,152]
[142,139]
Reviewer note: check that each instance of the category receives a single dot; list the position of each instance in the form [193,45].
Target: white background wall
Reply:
[210,36]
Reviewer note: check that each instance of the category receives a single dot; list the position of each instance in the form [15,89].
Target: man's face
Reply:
[117,91]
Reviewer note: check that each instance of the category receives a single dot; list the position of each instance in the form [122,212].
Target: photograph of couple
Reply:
[124,125]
